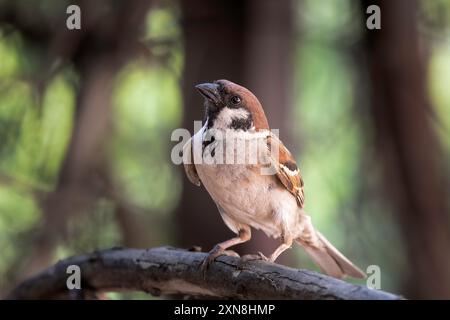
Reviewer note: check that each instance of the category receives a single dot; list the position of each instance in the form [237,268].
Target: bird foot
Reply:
[231,253]
[195,249]
[217,251]
[253,257]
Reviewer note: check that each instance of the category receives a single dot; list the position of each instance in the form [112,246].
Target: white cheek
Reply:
[227,115]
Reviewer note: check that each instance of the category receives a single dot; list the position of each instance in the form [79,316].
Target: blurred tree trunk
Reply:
[408,147]
[97,52]
[269,61]
[247,42]
[81,180]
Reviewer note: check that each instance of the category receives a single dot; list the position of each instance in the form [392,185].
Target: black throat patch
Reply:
[211,115]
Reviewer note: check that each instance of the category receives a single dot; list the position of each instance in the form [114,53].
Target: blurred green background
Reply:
[86,118]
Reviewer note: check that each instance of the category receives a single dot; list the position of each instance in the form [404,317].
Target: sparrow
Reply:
[265,194]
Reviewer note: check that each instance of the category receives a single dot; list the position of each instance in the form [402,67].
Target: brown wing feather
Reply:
[189,166]
[287,170]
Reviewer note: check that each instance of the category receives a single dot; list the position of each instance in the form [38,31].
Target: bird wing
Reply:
[189,166]
[286,168]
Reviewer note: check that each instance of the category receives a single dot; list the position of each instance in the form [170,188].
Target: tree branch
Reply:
[168,270]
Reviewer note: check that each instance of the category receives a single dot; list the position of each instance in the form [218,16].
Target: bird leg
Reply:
[287,243]
[219,249]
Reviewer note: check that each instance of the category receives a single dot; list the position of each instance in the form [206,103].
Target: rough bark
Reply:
[168,270]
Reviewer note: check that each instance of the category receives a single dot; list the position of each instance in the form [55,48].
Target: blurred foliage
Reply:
[439,77]
[35,129]
[336,157]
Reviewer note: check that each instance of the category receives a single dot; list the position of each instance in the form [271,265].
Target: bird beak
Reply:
[210,91]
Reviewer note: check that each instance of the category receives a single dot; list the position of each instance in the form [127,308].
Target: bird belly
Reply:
[249,198]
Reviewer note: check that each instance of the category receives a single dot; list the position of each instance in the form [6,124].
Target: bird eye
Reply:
[235,100]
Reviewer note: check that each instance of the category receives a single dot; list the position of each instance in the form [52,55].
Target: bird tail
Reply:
[326,256]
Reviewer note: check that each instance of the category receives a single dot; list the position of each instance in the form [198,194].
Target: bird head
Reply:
[231,106]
